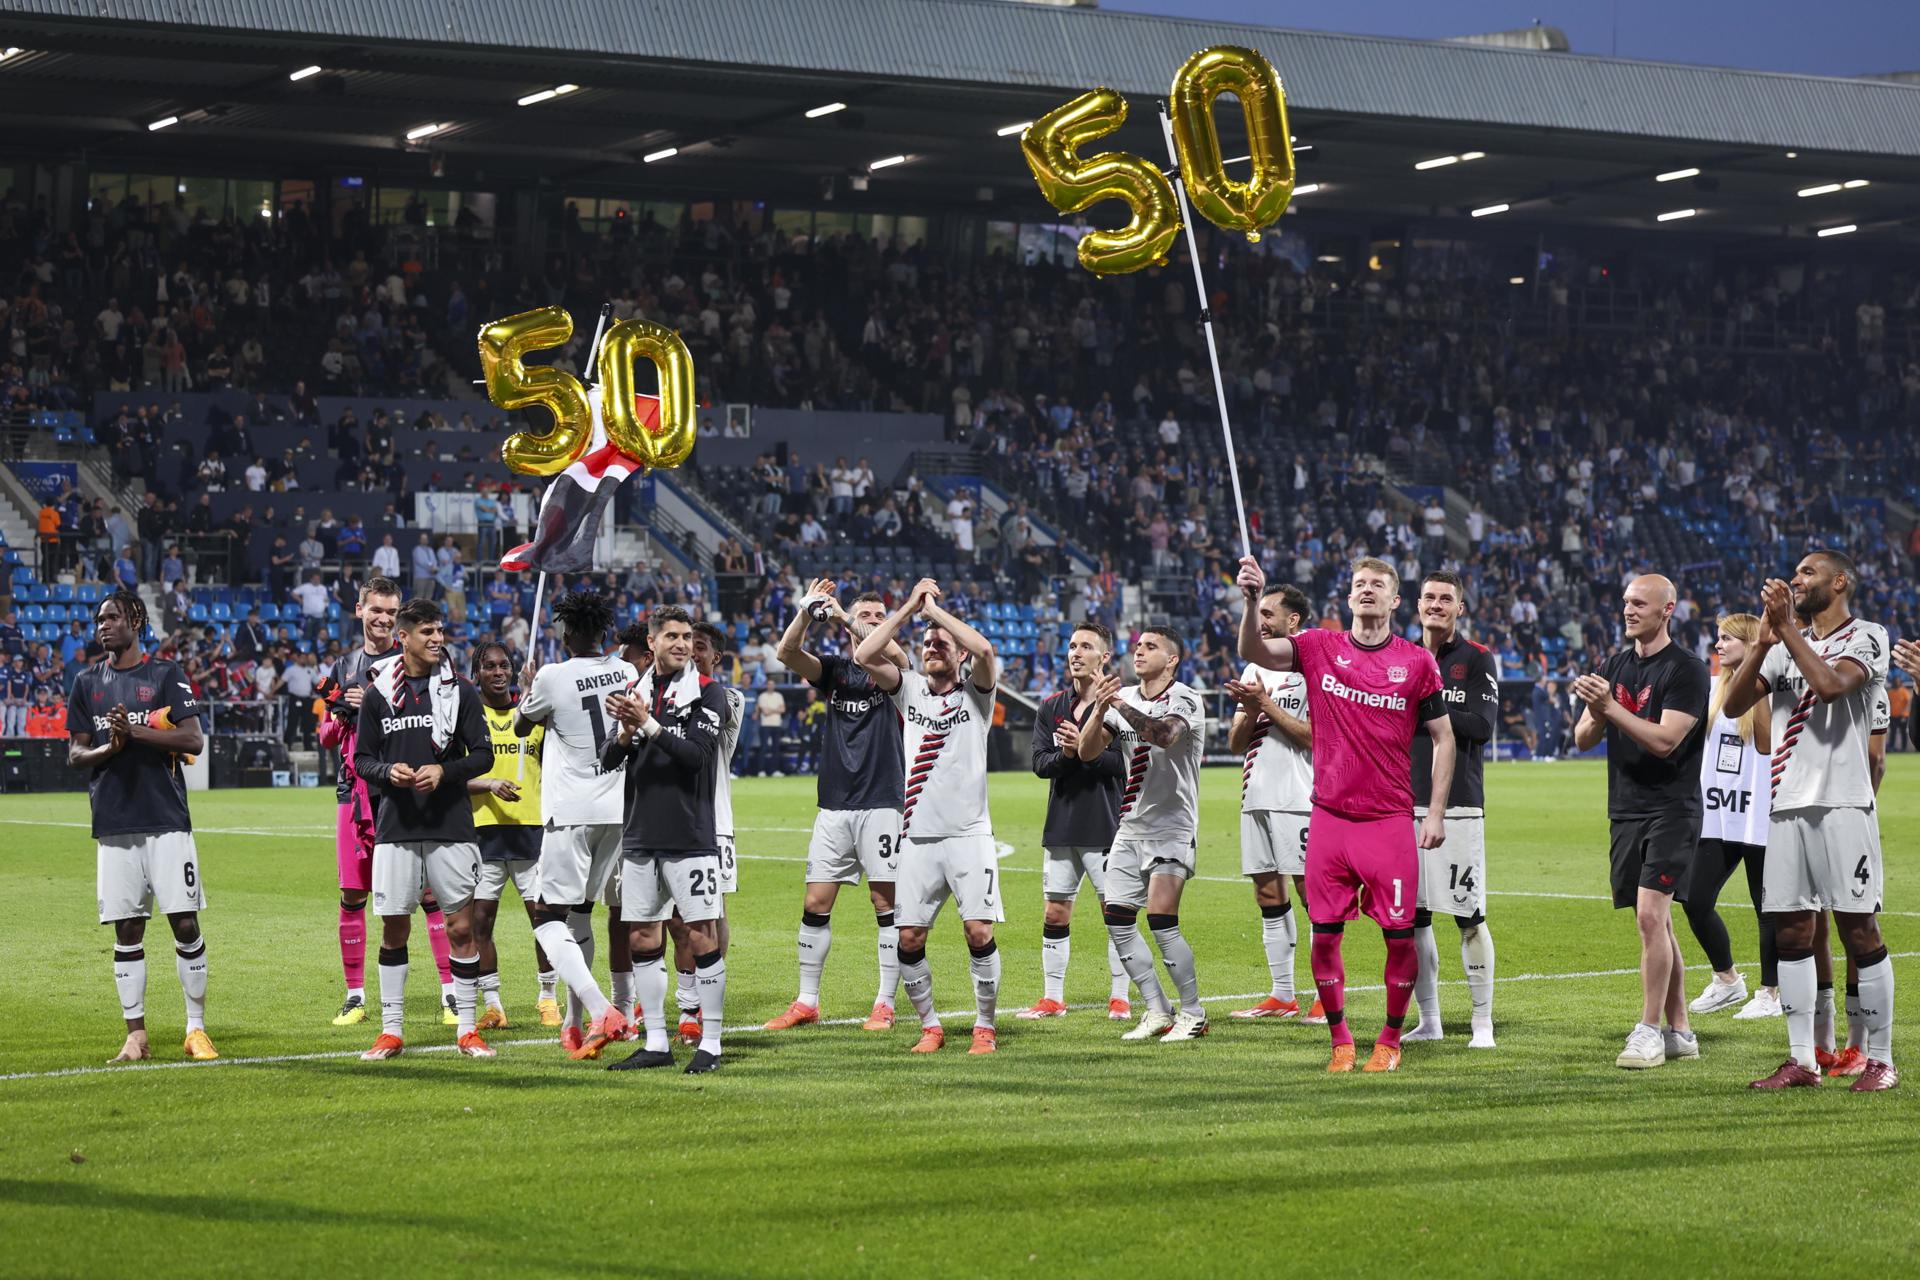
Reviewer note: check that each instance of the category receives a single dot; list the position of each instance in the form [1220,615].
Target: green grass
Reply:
[829,1151]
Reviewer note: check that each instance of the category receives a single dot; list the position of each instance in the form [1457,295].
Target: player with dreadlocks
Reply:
[129,721]
[584,807]
[506,816]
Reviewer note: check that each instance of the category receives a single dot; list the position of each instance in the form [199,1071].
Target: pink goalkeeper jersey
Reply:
[1366,707]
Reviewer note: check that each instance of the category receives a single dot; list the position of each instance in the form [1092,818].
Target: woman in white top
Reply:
[1735,789]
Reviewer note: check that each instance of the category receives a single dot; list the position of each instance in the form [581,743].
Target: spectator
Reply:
[251,636]
[486,523]
[18,696]
[425,565]
[126,573]
[770,710]
[299,679]
[451,578]
[312,552]
[314,599]
[386,558]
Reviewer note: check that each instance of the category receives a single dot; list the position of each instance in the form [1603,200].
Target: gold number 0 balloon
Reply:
[511,385]
[1236,206]
[1071,183]
[670,442]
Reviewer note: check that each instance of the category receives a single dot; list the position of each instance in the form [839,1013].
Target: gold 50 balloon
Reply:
[1072,183]
[512,385]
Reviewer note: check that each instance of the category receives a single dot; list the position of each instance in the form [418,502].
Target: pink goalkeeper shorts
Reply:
[1346,855]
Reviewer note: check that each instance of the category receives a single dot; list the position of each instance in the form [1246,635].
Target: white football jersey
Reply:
[946,748]
[723,781]
[1277,775]
[1160,801]
[1820,749]
[571,698]
[1733,786]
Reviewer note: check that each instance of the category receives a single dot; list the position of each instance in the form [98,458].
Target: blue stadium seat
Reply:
[33,613]
[63,435]
[93,592]
[63,591]
[222,612]
[58,613]
[197,612]
[38,593]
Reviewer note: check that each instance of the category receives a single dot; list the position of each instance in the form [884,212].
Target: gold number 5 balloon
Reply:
[511,385]
[1072,183]
[1235,206]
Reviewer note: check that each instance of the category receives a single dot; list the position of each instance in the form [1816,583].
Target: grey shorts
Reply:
[402,873]
[655,885]
[1824,859]
[137,873]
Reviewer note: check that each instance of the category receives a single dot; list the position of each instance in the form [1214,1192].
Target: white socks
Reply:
[1055,949]
[1138,962]
[1797,982]
[650,985]
[190,962]
[130,977]
[568,958]
[985,967]
[1117,973]
[490,990]
[686,995]
[1177,955]
[816,939]
[888,948]
[1876,1008]
[1280,937]
[393,991]
[1426,979]
[1856,1024]
[710,981]
[621,996]
[1476,957]
[466,982]
[1823,1017]
[918,980]
[548,981]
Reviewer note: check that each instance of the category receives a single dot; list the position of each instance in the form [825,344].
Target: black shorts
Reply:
[501,843]
[1653,853]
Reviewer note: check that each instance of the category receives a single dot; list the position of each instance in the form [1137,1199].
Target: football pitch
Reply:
[830,1151]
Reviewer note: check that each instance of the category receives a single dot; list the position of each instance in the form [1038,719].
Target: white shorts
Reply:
[1131,864]
[135,873]
[577,864]
[729,866]
[1453,878]
[525,874]
[967,868]
[1065,865]
[848,843]
[653,887]
[1821,859]
[1273,843]
[402,873]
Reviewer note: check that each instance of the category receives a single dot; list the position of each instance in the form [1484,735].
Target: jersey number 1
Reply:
[592,707]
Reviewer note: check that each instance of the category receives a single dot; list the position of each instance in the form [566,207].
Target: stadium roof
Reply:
[728,82]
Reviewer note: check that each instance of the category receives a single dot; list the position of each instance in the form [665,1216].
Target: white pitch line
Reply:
[273,1059]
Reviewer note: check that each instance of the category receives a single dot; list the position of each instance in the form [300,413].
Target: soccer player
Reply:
[1369,691]
[1160,726]
[129,720]
[582,802]
[1733,830]
[709,647]
[1275,740]
[668,743]
[946,836]
[354,817]
[1822,668]
[857,830]
[1453,874]
[1083,810]
[506,817]
[1649,701]
[421,740]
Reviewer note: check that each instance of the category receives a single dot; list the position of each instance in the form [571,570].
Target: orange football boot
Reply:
[1385,1057]
[1271,1007]
[609,1026]
[797,1015]
[932,1040]
[881,1019]
[1342,1059]
[384,1047]
[983,1041]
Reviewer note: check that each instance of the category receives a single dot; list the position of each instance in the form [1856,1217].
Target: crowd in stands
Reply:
[1731,424]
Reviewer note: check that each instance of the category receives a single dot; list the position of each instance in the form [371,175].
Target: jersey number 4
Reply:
[1860,872]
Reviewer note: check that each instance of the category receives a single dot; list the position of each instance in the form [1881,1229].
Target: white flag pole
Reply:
[540,583]
[1206,322]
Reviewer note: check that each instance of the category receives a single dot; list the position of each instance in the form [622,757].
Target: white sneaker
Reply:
[1429,1029]
[1186,1026]
[1482,1035]
[1719,995]
[1765,1004]
[1152,1023]
[1645,1048]
[1679,1044]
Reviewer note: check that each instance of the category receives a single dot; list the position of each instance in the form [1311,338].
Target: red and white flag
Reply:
[568,523]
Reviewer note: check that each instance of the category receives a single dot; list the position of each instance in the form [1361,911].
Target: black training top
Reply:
[141,789]
[863,760]
[1472,697]
[404,735]
[1083,798]
[1640,784]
